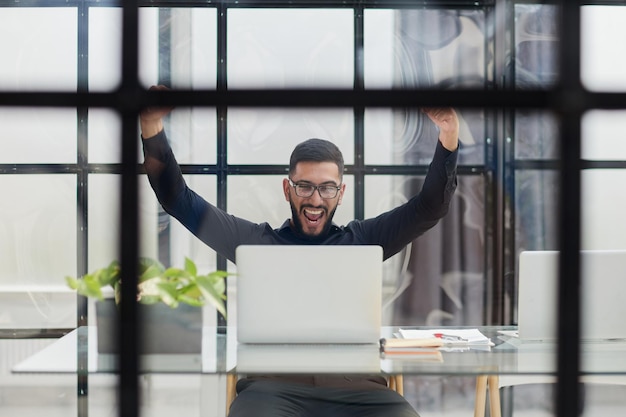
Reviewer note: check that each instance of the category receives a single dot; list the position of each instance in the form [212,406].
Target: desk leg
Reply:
[400,384]
[481,396]
[494,396]
[231,391]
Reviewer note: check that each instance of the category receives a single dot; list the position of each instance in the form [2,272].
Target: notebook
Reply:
[603,295]
[309,293]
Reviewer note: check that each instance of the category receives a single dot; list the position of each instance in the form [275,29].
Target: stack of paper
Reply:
[449,337]
[424,350]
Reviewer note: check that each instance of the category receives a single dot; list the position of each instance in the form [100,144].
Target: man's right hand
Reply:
[447,121]
[151,118]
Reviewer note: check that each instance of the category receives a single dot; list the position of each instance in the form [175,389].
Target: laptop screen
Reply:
[603,288]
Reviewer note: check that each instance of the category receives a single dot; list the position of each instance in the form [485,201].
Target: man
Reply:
[314,190]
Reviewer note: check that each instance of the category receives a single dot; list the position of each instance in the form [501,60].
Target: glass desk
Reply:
[222,355]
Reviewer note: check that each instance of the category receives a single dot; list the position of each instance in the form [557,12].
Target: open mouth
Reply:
[313,215]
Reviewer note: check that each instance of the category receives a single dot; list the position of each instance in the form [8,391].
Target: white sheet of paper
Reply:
[469,336]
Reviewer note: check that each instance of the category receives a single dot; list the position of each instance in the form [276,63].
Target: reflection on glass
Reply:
[536,135]
[445,50]
[602,66]
[37,250]
[400,137]
[282,48]
[536,45]
[439,278]
[38,49]
[441,48]
[38,135]
[536,209]
[267,136]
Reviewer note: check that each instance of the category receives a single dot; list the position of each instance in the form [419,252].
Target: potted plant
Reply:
[169,301]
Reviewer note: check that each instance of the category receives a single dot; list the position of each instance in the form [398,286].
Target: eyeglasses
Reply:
[306,190]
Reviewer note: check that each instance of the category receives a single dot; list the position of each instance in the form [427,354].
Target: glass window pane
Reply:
[536,135]
[104,220]
[603,135]
[379,48]
[37,250]
[38,48]
[603,208]
[602,64]
[38,135]
[193,47]
[536,210]
[426,47]
[260,199]
[104,130]
[317,52]
[192,133]
[447,50]
[105,47]
[267,136]
[409,137]
[536,45]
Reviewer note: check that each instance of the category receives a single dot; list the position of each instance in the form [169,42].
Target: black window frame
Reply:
[568,99]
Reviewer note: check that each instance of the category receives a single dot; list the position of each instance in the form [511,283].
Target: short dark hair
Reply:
[316,150]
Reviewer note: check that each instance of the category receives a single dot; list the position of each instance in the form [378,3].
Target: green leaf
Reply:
[168,294]
[175,273]
[90,287]
[218,281]
[191,291]
[211,295]
[192,301]
[112,275]
[73,283]
[149,268]
[147,263]
[190,267]
[150,299]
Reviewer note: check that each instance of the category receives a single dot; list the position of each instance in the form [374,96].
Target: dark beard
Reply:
[299,228]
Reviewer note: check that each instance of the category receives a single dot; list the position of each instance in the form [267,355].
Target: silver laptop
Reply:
[603,295]
[309,294]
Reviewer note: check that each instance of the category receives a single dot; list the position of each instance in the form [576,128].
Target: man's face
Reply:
[312,216]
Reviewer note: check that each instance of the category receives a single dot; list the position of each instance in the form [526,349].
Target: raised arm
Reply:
[216,228]
[394,229]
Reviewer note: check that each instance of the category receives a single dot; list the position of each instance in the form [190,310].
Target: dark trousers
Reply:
[266,398]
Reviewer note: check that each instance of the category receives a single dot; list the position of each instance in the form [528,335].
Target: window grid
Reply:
[557,99]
